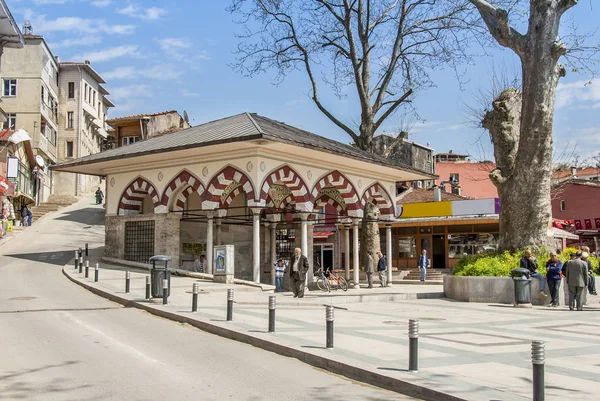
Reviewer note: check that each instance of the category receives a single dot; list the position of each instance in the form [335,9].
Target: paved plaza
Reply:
[466,350]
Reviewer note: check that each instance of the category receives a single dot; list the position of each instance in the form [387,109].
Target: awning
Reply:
[322,234]
[102,132]
[558,233]
[21,199]
[19,136]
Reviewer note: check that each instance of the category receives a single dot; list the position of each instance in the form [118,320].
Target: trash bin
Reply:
[158,274]
[522,283]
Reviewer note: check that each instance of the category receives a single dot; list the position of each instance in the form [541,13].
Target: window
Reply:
[454,177]
[90,94]
[128,140]
[70,119]
[563,206]
[85,92]
[10,87]
[69,148]
[51,135]
[43,94]
[71,90]
[11,122]
[460,245]
[407,247]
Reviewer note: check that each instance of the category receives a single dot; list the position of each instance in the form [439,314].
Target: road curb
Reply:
[329,364]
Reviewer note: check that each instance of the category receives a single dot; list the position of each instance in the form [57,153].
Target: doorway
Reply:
[323,256]
[439,252]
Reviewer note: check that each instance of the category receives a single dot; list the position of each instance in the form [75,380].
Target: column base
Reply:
[355,286]
[388,284]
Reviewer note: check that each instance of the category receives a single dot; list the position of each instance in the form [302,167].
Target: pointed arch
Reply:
[134,194]
[377,195]
[293,181]
[178,190]
[224,186]
[339,181]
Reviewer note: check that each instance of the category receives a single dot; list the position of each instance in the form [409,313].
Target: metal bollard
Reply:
[127,280]
[86,250]
[80,252]
[413,345]
[96,272]
[80,264]
[538,358]
[272,305]
[195,297]
[76,260]
[329,329]
[87,268]
[230,304]
[165,290]
[147,287]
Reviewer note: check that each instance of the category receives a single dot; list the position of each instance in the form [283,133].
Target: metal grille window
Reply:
[285,243]
[139,241]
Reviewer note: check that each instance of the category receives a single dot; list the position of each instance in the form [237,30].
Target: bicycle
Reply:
[324,283]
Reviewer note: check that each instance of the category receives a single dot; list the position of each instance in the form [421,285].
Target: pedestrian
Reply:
[298,273]
[370,269]
[529,262]
[381,269]
[575,270]
[280,267]
[26,215]
[423,264]
[99,196]
[201,263]
[553,275]
[591,279]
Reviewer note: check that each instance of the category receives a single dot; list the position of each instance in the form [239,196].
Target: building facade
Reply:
[83,110]
[131,129]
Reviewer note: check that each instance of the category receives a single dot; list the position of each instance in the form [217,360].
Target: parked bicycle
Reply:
[330,279]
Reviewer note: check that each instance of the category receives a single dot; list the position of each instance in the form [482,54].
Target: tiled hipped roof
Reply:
[420,195]
[138,116]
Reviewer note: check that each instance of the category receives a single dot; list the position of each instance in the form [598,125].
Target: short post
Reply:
[538,358]
[147,287]
[87,268]
[165,290]
[195,297]
[76,260]
[413,345]
[96,270]
[127,280]
[272,305]
[230,304]
[86,250]
[329,329]
[80,264]
[80,252]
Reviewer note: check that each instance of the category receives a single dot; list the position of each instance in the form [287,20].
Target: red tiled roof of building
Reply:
[137,116]
[474,178]
[578,173]
[419,195]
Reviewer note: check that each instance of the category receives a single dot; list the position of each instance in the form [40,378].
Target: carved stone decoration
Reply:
[112,182]
[249,166]
[334,194]
[278,194]
[229,190]
[392,192]
[309,175]
[205,171]
[263,166]
[160,176]
[359,184]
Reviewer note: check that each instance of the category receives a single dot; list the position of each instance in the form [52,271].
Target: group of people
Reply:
[381,269]
[577,272]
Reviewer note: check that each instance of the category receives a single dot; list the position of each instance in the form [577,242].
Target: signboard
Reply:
[6,187]
[12,167]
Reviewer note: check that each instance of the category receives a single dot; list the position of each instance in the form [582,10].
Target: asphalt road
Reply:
[60,342]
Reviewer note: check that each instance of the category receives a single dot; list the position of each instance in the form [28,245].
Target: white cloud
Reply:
[75,24]
[109,54]
[101,3]
[182,50]
[83,41]
[159,72]
[188,93]
[151,13]
[578,94]
[131,91]
[169,44]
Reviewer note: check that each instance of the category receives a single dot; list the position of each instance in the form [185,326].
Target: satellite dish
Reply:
[186,118]
[40,161]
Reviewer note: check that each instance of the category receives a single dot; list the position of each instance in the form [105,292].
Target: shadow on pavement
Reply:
[60,258]
[89,216]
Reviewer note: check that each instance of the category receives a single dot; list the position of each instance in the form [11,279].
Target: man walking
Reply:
[423,264]
[298,273]
[381,269]
[370,269]
[575,271]
[529,262]
[553,270]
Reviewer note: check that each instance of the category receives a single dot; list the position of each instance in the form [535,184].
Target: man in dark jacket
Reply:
[529,262]
[381,269]
[553,271]
[298,269]
[575,271]
[591,279]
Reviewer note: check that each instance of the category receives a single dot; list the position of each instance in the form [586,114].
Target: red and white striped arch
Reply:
[132,199]
[337,180]
[178,190]
[377,195]
[220,182]
[326,200]
[292,180]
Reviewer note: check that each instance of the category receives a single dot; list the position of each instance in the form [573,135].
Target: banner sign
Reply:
[6,187]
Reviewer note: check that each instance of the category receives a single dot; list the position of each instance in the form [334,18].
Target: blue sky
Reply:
[159,55]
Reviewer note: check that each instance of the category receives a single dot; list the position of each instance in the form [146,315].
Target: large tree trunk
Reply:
[369,240]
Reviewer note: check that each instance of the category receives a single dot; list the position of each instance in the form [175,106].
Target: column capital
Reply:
[355,222]
[301,216]
[388,225]
[210,214]
[256,210]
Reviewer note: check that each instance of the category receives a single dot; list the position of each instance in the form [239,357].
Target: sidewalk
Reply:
[467,351]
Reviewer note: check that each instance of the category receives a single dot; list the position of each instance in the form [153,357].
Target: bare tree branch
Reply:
[496,20]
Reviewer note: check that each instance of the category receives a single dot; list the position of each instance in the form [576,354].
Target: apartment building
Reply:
[30,100]
[81,123]
[131,129]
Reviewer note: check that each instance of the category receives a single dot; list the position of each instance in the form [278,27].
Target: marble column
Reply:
[347,251]
[388,252]
[304,243]
[355,256]
[218,231]
[209,243]
[256,245]
[273,249]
